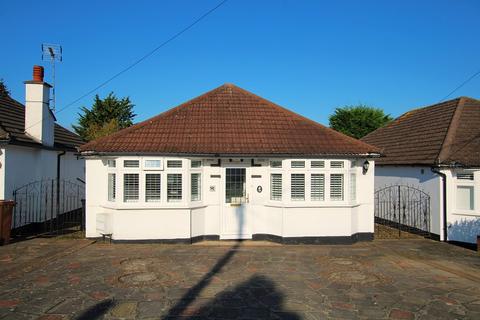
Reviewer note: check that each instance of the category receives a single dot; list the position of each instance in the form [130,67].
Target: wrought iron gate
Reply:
[48,206]
[403,209]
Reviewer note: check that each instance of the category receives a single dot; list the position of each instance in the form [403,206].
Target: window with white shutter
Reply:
[174,187]
[111,163]
[111,186]
[353,187]
[276,163]
[174,163]
[131,163]
[196,186]
[298,164]
[196,163]
[297,186]
[317,164]
[336,164]
[152,187]
[276,186]
[130,187]
[336,187]
[317,187]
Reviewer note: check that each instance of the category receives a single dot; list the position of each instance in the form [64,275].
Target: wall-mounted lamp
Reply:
[365,166]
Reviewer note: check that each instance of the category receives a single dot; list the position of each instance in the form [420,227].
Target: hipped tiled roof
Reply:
[12,128]
[229,121]
[447,133]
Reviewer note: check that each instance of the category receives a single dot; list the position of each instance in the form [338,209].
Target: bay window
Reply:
[174,187]
[196,186]
[130,187]
[336,187]
[298,186]
[276,186]
[152,187]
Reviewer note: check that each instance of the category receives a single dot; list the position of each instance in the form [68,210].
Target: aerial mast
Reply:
[52,53]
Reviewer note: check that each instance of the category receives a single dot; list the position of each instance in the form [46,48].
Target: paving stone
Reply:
[373,280]
[124,310]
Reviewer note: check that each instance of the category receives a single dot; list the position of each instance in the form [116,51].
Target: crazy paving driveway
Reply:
[79,279]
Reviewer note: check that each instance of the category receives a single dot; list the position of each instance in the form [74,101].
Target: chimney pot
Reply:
[38,73]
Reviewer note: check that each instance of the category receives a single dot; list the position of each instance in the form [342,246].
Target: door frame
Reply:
[245,207]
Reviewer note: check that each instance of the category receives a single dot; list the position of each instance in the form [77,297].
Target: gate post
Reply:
[399,213]
[82,226]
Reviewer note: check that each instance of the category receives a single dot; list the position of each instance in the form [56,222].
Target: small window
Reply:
[111,186]
[465,176]
[298,187]
[174,163]
[317,164]
[152,187]
[174,187]
[153,164]
[353,187]
[131,163]
[276,186]
[336,187]
[318,187]
[276,164]
[130,187]
[196,187]
[111,163]
[196,164]
[298,164]
[336,164]
[465,198]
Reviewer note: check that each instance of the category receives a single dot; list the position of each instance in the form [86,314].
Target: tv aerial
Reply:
[52,53]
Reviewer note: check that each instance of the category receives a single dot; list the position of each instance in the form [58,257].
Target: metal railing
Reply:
[404,208]
[48,206]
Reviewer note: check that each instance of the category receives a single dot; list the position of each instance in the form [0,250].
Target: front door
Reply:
[235,216]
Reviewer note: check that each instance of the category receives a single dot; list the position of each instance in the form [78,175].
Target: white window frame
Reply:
[466,183]
[146,196]
[199,187]
[276,197]
[137,199]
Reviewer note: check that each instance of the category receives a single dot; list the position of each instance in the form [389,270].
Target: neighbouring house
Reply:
[230,165]
[35,149]
[436,149]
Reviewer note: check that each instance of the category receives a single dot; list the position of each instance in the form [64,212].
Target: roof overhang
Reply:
[228,155]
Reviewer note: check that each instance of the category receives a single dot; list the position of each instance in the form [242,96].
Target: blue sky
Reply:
[308,56]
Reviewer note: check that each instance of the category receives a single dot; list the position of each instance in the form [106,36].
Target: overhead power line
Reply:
[141,59]
[461,85]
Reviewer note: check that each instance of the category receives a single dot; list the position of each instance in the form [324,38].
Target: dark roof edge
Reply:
[37,145]
[217,155]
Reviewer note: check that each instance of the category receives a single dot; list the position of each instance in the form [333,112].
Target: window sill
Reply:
[311,205]
[466,213]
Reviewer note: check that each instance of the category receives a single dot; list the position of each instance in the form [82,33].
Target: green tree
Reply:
[3,89]
[105,117]
[358,121]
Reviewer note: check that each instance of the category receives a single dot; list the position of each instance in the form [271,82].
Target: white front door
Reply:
[235,220]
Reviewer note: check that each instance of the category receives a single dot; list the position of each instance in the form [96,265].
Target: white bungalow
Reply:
[230,165]
[436,149]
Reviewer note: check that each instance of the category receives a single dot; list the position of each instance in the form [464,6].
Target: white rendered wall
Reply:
[22,165]
[462,225]
[420,177]
[185,219]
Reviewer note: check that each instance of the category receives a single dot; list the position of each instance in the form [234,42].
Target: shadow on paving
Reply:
[256,298]
[97,311]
